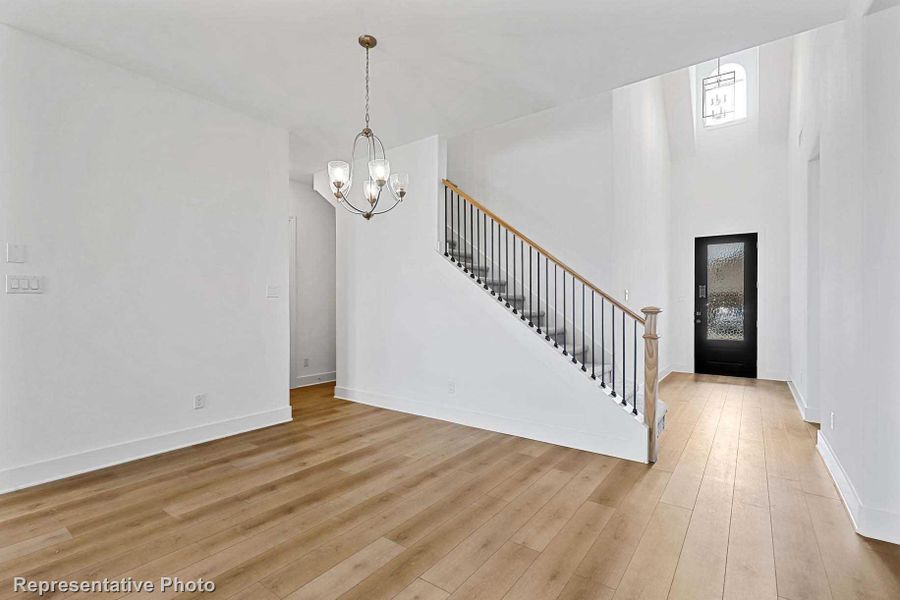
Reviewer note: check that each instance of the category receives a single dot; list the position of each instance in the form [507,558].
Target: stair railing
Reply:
[552,298]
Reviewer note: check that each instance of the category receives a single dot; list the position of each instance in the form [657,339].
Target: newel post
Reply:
[651,377]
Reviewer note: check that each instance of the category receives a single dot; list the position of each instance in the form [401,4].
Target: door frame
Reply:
[751,286]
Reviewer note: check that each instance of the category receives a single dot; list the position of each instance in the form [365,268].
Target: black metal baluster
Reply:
[472,240]
[493,248]
[539,288]
[453,228]
[515,308]
[555,305]
[583,327]
[546,296]
[464,240]
[522,262]
[462,236]
[476,251]
[446,240]
[593,340]
[634,371]
[506,248]
[484,255]
[566,336]
[500,295]
[602,342]
[476,257]
[613,369]
[458,248]
[574,322]
[485,261]
[624,394]
[530,304]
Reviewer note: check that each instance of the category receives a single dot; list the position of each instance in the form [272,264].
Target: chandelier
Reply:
[340,173]
[719,94]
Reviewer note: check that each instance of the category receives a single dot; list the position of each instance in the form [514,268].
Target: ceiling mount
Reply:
[367,41]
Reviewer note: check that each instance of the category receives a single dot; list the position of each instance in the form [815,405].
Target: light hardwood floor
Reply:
[354,502]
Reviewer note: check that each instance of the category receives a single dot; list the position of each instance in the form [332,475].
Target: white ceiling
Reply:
[440,67]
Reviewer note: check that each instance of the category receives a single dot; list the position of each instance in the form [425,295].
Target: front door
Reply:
[725,305]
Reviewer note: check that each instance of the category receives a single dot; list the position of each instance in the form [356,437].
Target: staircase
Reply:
[603,339]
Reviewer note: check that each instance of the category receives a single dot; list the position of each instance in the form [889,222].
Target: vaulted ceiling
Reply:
[440,67]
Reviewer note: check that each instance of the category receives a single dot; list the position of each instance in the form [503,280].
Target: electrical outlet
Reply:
[832,420]
[305,362]
[199,401]
[451,387]
[627,294]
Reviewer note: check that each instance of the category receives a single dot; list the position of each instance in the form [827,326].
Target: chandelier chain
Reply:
[367,88]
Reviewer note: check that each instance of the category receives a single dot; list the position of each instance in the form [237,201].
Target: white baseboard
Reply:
[663,373]
[91,460]
[870,522]
[621,447]
[809,414]
[314,379]
[686,369]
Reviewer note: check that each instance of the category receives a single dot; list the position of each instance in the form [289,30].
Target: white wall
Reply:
[734,179]
[550,175]
[641,213]
[416,334]
[845,111]
[157,220]
[881,285]
[312,287]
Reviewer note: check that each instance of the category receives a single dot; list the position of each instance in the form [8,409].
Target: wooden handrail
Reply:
[449,184]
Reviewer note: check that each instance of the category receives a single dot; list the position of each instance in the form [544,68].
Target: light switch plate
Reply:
[273,291]
[24,284]
[15,253]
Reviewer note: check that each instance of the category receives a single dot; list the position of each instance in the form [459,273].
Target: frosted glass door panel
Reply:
[725,278]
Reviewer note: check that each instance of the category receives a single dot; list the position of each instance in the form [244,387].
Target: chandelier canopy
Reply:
[340,173]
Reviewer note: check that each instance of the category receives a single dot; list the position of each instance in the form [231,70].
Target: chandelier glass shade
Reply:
[379,176]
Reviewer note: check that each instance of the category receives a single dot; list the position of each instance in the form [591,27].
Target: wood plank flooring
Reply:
[353,502]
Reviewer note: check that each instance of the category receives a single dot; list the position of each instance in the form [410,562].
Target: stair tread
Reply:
[473,267]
